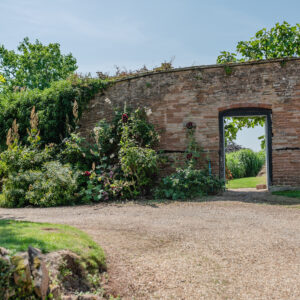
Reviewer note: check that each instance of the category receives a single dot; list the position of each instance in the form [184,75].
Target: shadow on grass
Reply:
[11,236]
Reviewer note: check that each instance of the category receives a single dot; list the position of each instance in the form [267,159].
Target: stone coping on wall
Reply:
[203,67]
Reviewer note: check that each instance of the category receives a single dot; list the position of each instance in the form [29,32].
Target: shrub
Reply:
[236,167]
[188,183]
[54,184]
[126,165]
[76,151]
[139,165]
[106,184]
[19,158]
[108,135]
[245,163]
[31,176]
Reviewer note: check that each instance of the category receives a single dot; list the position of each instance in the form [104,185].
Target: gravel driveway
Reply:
[194,250]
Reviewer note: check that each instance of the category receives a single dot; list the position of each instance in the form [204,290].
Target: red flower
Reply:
[87,173]
[124,118]
[189,156]
[190,125]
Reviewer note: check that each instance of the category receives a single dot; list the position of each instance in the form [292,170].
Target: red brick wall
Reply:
[197,94]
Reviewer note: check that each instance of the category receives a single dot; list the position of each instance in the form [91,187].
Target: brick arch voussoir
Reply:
[245,105]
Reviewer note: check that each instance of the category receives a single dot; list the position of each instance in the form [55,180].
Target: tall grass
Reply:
[245,163]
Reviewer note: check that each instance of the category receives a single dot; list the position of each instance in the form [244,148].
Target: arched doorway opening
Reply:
[247,112]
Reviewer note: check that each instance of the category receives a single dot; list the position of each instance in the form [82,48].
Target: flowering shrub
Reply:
[108,135]
[104,185]
[124,118]
[190,125]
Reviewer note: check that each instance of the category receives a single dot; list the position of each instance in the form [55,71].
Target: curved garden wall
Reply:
[198,94]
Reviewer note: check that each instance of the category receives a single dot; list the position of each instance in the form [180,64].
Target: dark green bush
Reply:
[188,183]
[245,163]
[54,106]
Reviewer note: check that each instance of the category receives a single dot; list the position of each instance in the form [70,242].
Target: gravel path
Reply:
[193,250]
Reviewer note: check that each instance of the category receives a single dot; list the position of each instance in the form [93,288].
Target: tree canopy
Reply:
[282,40]
[34,65]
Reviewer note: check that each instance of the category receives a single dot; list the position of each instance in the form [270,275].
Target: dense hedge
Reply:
[245,163]
[54,106]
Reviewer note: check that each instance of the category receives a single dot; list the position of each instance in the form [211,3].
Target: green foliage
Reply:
[282,40]
[54,107]
[108,134]
[35,65]
[233,125]
[54,184]
[31,176]
[22,158]
[125,165]
[245,163]
[5,278]
[76,151]
[188,183]
[106,183]
[226,57]
[139,165]
[193,151]
[236,167]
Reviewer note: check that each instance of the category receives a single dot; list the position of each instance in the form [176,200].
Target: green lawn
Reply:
[293,194]
[247,182]
[18,235]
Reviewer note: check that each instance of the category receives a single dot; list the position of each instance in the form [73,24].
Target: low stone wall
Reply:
[198,94]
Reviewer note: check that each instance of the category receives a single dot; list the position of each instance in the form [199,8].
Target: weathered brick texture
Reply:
[198,94]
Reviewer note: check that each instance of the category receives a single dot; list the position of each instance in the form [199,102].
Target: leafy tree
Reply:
[282,40]
[34,65]
[235,124]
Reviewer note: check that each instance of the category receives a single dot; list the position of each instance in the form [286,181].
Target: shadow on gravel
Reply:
[247,195]
[251,196]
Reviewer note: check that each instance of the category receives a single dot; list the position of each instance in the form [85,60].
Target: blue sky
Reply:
[131,33]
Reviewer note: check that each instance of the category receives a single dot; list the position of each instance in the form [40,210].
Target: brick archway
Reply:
[242,111]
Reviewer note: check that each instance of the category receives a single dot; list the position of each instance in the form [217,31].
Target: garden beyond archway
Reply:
[248,112]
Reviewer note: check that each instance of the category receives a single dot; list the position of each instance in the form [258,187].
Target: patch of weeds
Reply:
[228,70]
[64,271]
[283,63]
